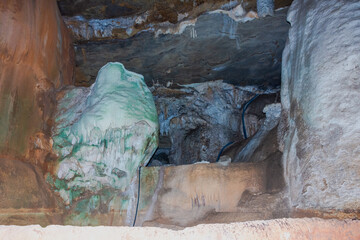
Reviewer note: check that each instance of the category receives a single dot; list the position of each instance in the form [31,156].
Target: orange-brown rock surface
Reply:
[36,58]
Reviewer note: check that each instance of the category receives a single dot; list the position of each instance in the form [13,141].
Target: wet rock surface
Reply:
[320,96]
[213,47]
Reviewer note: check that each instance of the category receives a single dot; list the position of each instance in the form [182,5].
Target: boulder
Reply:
[320,98]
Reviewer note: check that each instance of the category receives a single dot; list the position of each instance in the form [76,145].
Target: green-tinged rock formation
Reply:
[103,134]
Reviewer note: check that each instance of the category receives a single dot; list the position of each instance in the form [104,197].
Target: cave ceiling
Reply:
[176,42]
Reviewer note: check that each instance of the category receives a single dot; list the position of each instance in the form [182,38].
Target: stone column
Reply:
[320,98]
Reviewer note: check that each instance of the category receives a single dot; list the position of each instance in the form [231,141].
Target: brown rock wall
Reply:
[36,58]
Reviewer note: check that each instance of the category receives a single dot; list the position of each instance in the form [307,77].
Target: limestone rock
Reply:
[104,133]
[320,98]
[36,58]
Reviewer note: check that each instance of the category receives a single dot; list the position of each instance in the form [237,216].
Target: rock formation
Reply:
[263,144]
[36,58]
[105,133]
[320,98]
[199,119]
[217,45]
[157,11]
[191,194]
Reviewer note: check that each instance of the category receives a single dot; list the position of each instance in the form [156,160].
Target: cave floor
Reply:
[306,228]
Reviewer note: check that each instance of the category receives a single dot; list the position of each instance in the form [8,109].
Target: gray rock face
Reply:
[213,47]
[263,144]
[320,98]
[199,119]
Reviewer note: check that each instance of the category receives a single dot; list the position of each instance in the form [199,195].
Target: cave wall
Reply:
[320,97]
[36,58]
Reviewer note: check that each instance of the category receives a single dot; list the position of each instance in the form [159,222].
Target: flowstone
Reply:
[103,134]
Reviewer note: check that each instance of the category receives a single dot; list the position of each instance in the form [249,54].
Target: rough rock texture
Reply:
[281,229]
[213,47]
[25,197]
[263,144]
[36,57]
[104,133]
[170,196]
[125,27]
[320,97]
[158,10]
[191,194]
[22,186]
[199,119]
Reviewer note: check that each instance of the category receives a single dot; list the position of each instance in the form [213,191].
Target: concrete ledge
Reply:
[305,228]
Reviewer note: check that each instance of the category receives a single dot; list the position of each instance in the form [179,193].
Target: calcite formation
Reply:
[36,58]
[320,98]
[105,133]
